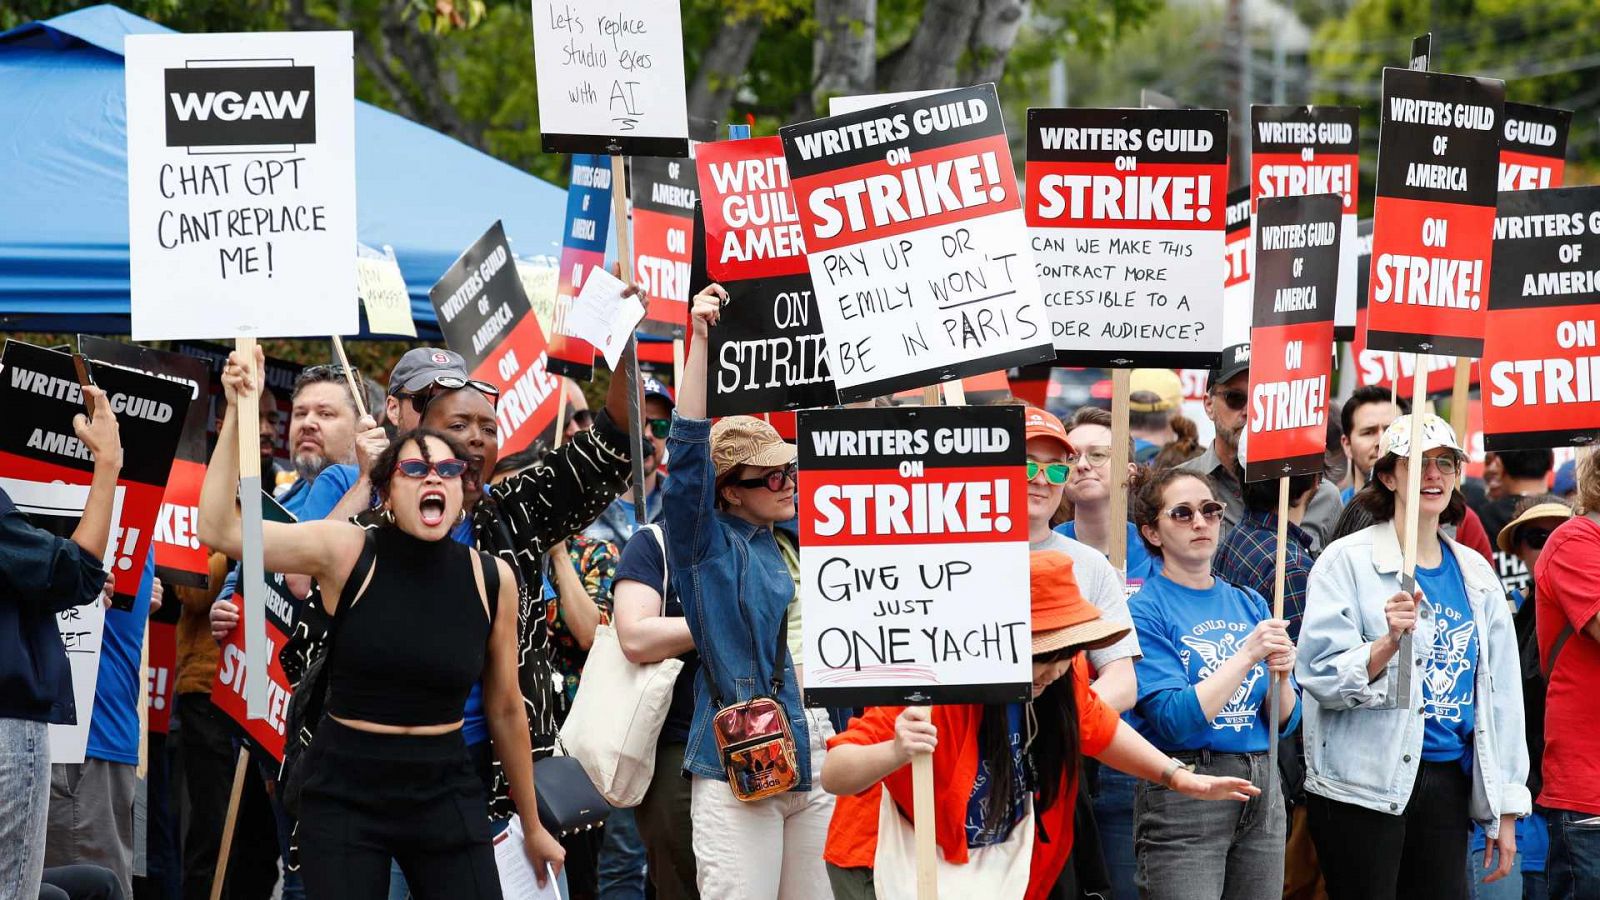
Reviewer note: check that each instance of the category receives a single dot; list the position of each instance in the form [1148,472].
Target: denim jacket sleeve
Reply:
[688,504]
[1333,648]
[40,570]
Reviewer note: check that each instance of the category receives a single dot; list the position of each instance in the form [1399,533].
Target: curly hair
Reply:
[383,468]
[1148,487]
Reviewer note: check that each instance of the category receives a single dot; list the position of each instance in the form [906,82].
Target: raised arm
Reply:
[689,500]
[101,436]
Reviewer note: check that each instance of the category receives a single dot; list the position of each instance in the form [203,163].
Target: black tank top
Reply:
[412,646]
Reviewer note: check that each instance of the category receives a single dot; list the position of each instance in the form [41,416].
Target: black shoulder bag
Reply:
[307,703]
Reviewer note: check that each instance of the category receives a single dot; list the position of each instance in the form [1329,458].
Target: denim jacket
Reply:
[1360,748]
[735,590]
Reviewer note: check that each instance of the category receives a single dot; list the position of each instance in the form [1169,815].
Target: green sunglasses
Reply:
[659,427]
[1055,473]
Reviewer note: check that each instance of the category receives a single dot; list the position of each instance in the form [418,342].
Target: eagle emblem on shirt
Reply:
[1238,713]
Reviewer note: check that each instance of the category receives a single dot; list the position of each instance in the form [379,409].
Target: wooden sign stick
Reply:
[561,410]
[1408,567]
[251,577]
[1117,531]
[350,378]
[1275,682]
[220,876]
[1459,398]
[619,212]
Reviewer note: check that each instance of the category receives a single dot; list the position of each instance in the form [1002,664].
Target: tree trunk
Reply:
[844,56]
[721,67]
[992,39]
[931,60]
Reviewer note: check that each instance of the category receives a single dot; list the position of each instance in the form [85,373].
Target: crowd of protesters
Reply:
[449,599]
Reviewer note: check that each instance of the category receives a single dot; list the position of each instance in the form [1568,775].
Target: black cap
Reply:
[422,366]
[1234,359]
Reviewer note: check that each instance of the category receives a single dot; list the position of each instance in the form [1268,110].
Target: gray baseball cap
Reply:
[423,366]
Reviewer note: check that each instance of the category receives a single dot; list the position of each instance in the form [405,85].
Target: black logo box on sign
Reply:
[249,106]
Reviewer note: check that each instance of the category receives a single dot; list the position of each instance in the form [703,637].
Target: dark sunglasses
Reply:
[1234,397]
[659,427]
[1534,537]
[772,481]
[419,468]
[1055,473]
[1183,513]
[421,399]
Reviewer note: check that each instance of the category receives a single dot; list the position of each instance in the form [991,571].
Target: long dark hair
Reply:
[1054,749]
[1377,500]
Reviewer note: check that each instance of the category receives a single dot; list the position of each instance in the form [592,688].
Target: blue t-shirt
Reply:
[1186,634]
[1346,494]
[981,833]
[642,561]
[327,490]
[114,728]
[1141,565]
[474,726]
[1451,663]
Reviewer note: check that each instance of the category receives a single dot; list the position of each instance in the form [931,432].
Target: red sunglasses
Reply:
[419,468]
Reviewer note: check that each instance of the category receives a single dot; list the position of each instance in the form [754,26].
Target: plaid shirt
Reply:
[1249,554]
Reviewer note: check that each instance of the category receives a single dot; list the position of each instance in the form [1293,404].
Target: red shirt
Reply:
[853,833]
[1566,579]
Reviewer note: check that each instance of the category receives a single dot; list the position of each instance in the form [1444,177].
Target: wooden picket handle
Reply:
[922,812]
[1117,531]
[1459,399]
[1275,680]
[220,876]
[561,410]
[1408,567]
[619,212]
[350,378]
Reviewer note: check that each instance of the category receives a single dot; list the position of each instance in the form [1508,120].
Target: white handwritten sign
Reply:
[241,185]
[383,292]
[611,77]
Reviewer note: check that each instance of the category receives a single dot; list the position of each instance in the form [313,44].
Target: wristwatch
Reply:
[1173,766]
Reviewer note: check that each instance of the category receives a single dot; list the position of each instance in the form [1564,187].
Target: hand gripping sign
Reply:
[1541,356]
[1297,150]
[916,243]
[1126,216]
[1433,219]
[914,556]
[1291,343]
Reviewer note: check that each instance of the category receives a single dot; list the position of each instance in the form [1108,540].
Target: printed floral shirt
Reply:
[596,563]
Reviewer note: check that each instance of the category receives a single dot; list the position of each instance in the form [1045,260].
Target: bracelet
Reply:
[1171,770]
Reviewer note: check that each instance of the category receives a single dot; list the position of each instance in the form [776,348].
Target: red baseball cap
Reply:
[1039,424]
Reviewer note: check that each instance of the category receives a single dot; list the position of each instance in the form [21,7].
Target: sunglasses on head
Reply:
[419,468]
[772,481]
[1234,397]
[1183,513]
[1054,472]
[659,427]
[421,399]
[1534,537]
[1093,456]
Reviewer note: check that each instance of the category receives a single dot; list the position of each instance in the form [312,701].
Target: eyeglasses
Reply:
[1234,397]
[659,427]
[772,481]
[419,468]
[1447,464]
[1055,473]
[1534,537]
[1094,456]
[1183,513]
[421,399]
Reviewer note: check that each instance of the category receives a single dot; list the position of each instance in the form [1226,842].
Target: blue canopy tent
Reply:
[64,192]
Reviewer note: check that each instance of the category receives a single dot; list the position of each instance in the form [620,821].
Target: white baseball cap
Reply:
[1435,433]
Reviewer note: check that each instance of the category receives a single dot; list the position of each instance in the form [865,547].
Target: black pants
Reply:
[205,748]
[370,798]
[80,883]
[1419,854]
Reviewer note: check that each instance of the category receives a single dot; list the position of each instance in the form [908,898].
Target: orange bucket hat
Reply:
[1061,615]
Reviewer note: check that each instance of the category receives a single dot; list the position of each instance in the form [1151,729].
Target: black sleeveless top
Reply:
[413,645]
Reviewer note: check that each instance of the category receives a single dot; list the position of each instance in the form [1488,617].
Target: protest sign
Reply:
[486,318]
[1291,341]
[768,351]
[916,243]
[161,670]
[1237,298]
[1433,219]
[914,556]
[47,471]
[228,685]
[1533,147]
[1127,219]
[383,293]
[610,76]
[1381,367]
[180,559]
[1542,365]
[664,194]
[1296,150]
[838,106]
[540,277]
[583,248]
[241,184]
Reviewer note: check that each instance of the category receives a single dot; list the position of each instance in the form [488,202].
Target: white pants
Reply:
[770,849]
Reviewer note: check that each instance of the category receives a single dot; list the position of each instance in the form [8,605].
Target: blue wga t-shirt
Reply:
[980,831]
[474,726]
[1451,663]
[1141,565]
[114,727]
[1190,634]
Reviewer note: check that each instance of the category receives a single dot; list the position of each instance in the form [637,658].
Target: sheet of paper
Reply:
[603,317]
[517,880]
